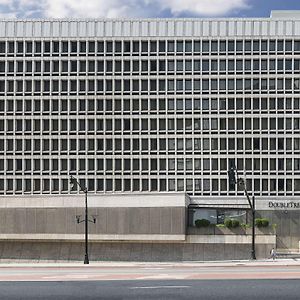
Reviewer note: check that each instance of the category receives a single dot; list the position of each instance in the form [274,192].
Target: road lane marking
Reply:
[68,276]
[161,287]
[153,268]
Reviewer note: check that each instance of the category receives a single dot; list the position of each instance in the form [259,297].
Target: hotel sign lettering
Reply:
[284,205]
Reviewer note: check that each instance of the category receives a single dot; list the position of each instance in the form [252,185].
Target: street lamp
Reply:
[233,180]
[74,182]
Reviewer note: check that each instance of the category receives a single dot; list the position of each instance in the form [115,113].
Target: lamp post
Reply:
[233,180]
[73,182]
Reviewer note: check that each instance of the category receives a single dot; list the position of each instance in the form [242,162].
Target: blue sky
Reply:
[262,8]
[142,8]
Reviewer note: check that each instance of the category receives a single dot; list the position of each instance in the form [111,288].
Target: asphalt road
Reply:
[153,289]
[235,281]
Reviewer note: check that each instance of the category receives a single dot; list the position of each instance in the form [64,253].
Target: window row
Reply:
[154,126]
[127,105]
[189,165]
[136,86]
[192,186]
[154,145]
[154,47]
[144,67]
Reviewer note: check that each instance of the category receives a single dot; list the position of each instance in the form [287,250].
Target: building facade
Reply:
[152,106]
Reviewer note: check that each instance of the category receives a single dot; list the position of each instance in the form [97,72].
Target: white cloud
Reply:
[118,8]
[202,7]
[5,2]
[94,8]
[128,8]
[7,15]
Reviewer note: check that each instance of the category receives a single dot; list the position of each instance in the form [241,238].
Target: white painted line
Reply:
[161,287]
[153,268]
[68,276]
[162,276]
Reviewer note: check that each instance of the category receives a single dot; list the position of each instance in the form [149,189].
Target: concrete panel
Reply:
[65,251]
[295,242]
[112,221]
[59,219]
[9,221]
[188,252]
[177,252]
[19,216]
[2,245]
[50,251]
[41,224]
[165,220]
[260,251]
[79,227]
[280,243]
[50,220]
[229,252]
[160,252]
[30,251]
[124,252]
[242,251]
[30,218]
[177,220]
[56,251]
[12,250]
[77,251]
[211,251]
[198,252]
[155,220]
[3,220]
[109,200]
[294,224]
[123,215]
[287,229]
[101,223]
[98,251]
[134,253]
[103,251]
[140,252]
[92,226]
[285,224]
[114,253]
[71,222]
[139,220]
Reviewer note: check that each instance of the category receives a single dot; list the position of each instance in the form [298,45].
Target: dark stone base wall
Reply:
[287,227]
[156,252]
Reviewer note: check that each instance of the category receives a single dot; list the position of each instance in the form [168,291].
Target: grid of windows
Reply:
[149,115]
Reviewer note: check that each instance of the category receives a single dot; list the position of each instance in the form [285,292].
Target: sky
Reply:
[21,9]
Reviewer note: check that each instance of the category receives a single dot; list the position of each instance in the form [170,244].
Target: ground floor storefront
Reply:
[143,227]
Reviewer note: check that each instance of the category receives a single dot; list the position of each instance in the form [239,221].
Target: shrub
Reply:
[235,223]
[220,225]
[202,223]
[228,223]
[262,222]
[231,223]
[244,225]
[258,223]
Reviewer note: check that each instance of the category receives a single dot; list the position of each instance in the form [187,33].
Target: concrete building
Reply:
[152,106]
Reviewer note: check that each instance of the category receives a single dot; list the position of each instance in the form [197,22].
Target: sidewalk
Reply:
[113,264]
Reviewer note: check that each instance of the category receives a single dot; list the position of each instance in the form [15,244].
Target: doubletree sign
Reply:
[284,205]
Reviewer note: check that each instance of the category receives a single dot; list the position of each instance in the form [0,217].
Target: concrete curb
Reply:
[50,264]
